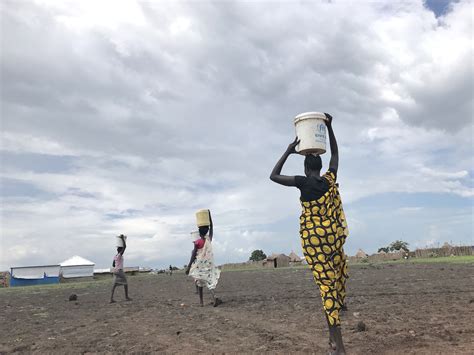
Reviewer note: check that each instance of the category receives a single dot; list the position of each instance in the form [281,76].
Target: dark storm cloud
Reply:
[166,107]
[446,106]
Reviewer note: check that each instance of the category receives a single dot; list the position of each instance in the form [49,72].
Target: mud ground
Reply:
[407,309]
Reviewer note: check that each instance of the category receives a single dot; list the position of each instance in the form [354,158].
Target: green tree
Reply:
[257,255]
[399,245]
[383,249]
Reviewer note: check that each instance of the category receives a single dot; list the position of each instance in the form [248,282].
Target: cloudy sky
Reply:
[127,117]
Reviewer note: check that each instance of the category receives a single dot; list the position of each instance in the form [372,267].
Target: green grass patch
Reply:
[466,259]
[367,262]
[79,285]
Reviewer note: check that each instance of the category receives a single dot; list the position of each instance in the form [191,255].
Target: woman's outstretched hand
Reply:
[328,119]
[292,147]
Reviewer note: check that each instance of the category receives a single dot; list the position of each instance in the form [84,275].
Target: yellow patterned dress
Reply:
[323,231]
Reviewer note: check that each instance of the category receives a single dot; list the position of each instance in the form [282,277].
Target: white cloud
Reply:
[173,106]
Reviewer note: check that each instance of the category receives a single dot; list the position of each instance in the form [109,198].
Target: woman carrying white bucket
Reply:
[201,265]
[323,228]
[119,275]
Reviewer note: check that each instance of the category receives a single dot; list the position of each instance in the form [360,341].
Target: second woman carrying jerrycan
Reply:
[201,265]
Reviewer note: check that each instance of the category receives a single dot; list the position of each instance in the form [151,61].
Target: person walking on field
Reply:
[201,265]
[119,274]
[323,230]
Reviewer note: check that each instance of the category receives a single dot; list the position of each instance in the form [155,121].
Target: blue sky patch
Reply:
[20,188]
[38,163]
[439,7]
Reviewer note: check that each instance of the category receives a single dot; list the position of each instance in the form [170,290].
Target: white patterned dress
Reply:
[203,269]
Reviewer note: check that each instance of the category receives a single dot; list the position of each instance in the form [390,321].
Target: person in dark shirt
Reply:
[323,230]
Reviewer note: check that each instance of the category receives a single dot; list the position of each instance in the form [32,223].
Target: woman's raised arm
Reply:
[334,162]
[276,172]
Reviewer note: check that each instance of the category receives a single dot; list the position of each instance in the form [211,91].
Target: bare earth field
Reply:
[407,308]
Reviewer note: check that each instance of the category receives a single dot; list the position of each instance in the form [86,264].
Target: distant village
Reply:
[292,259]
[276,260]
[78,268]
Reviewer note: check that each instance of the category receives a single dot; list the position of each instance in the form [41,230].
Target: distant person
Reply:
[201,265]
[119,274]
[323,230]
[171,270]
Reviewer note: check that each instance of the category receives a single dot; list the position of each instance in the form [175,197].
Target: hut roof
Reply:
[272,257]
[294,257]
[276,256]
[361,254]
[76,261]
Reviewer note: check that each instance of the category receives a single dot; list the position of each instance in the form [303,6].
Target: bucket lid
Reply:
[306,115]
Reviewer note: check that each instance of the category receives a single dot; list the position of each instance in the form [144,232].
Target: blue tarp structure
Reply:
[34,275]
[30,282]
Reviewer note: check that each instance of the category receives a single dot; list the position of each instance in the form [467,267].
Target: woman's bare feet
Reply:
[335,338]
[335,352]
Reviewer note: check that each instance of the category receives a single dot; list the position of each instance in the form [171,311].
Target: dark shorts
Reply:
[120,278]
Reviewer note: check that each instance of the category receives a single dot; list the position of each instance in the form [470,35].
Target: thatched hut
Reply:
[446,245]
[277,260]
[294,259]
[361,254]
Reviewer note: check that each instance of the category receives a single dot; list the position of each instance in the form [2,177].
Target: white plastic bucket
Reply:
[202,218]
[119,242]
[311,131]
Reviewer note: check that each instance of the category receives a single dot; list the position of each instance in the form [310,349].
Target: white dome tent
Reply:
[77,267]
